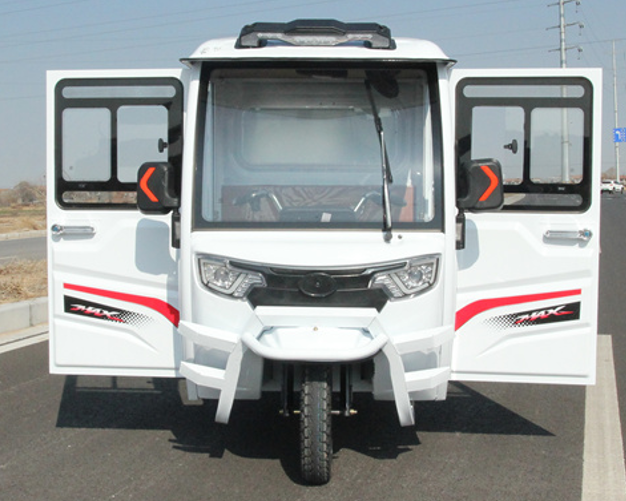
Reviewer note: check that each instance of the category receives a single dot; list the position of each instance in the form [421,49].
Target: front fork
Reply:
[342,383]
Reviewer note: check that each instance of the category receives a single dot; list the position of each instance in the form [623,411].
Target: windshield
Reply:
[299,148]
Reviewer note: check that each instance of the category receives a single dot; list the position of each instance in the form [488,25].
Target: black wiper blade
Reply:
[386,169]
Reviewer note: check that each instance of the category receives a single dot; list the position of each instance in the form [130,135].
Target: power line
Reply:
[167,15]
[40,7]
[503,51]
[169,23]
[490,34]
[589,27]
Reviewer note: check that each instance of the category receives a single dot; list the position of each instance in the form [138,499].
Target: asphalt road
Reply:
[118,438]
[612,306]
[23,248]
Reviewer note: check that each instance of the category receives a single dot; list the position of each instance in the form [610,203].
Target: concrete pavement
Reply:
[23,322]
[23,234]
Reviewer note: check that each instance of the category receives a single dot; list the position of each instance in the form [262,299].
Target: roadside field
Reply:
[19,219]
[22,279]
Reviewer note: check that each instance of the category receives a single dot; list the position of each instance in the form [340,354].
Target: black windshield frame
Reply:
[430,70]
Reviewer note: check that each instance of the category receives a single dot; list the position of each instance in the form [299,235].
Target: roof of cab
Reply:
[317,39]
[406,49]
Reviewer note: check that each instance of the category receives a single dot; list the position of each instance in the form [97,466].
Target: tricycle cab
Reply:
[347,213]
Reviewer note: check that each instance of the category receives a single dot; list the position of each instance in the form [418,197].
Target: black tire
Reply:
[316,445]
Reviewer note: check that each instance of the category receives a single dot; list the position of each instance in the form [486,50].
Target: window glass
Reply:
[515,91]
[498,132]
[140,131]
[118,91]
[292,136]
[556,154]
[100,197]
[86,144]
[286,148]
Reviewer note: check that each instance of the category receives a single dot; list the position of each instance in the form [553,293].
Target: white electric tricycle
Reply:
[347,213]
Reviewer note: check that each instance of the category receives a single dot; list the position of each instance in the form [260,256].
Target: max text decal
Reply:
[551,314]
[98,311]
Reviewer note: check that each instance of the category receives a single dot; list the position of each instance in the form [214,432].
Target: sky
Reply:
[41,35]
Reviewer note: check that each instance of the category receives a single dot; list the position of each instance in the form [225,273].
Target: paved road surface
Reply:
[117,438]
[612,308]
[23,248]
[101,438]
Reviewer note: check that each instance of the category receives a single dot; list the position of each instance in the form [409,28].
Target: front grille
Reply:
[287,286]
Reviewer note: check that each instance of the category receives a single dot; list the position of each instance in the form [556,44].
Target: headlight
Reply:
[218,275]
[418,275]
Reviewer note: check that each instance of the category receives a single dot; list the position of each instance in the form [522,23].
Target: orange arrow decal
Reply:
[494,183]
[143,184]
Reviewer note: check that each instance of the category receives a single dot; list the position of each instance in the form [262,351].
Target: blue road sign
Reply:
[619,135]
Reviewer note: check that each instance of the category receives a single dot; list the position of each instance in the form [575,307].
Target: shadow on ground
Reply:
[256,430]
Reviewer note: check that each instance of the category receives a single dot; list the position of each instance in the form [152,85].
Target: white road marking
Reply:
[33,335]
[604,475]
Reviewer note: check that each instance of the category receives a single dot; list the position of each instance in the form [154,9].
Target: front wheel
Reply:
[316,445]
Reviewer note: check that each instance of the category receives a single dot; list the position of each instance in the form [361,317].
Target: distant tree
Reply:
[7,198]
[26,193]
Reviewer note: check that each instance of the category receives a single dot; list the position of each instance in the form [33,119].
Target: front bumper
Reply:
[324,335]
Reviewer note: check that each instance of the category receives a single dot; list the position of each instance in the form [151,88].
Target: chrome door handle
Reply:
[581,235]
[58,230]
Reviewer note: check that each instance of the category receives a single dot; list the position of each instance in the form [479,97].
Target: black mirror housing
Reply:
[480,186]
[156,188]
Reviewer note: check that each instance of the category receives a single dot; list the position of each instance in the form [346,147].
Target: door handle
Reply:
[59,229]
[579,235]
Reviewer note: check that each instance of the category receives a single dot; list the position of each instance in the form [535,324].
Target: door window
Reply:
[539,132]
[106,129]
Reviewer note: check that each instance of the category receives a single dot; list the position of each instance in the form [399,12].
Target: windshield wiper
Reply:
[386,169]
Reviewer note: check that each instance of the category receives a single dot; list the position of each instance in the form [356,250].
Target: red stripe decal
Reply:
[468,312]
[165,309]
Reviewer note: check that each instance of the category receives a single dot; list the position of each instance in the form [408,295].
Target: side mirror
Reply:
[480,185]
[156,190]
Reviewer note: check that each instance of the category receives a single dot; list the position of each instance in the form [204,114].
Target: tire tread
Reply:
[316,446]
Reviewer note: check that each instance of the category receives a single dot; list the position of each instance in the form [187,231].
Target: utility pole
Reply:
[563,48]
[617,176]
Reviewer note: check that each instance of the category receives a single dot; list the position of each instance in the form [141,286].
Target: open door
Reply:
[113,284]
[528,274]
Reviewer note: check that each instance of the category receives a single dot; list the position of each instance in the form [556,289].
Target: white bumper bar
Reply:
[332,335]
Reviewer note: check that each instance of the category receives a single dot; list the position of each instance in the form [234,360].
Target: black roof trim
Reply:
[316,32]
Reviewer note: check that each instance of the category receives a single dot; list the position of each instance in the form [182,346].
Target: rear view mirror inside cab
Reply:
[480,185]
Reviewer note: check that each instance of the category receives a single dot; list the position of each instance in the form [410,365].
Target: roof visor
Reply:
[316,32]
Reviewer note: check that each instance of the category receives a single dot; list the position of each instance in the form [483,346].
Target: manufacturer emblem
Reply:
[317,285]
